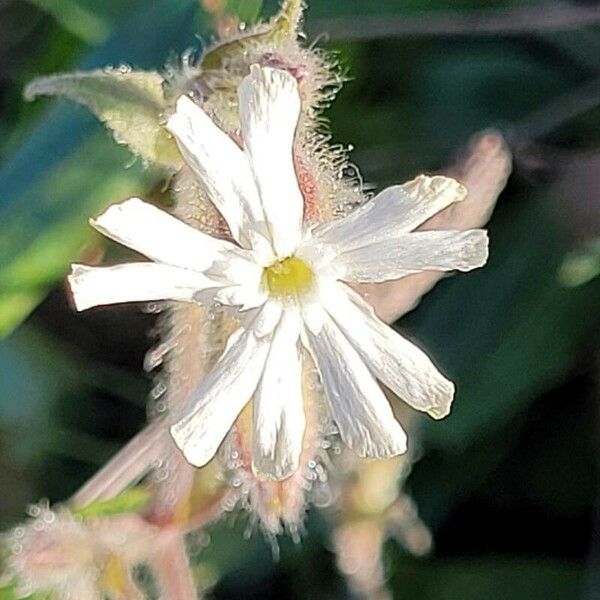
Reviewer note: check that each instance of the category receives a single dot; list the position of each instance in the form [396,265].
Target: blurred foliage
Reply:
[248,11]
[132,500]
[77,18]
[494,579]
[582,265]
[509,482]
[35,241]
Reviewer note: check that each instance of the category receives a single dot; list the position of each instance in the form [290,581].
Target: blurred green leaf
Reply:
[30,371]
[582,265]
[515,578]
[504,334]
[90,20]
[243,558]
[248,11]
[130,103]
[79,20]
[67,170]
[36,374]
[10,593]
[357,8]
[15,305]
[50,225]
[132,500]
[522,329]
[7,593]
[582,45]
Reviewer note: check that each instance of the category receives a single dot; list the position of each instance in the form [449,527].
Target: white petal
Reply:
[269,111]
[240,295]
[395,361]
[134,282]
[221,166]
[161,237]
[268,318]
[397,209]
[412,253]
[238,267]
[278,407]
[313,315]
[216,403]
[357,403]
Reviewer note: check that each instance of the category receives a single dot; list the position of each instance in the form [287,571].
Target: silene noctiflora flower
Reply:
[269,269]
[286,279]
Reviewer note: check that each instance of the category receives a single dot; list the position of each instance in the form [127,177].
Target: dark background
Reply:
[509,483]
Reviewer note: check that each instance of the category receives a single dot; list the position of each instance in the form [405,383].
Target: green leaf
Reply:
[386,9]
[91,21]
[130,103]
[43,237]
[67,169]
[132,500]
[13,305]
[514,578]
[281,26]
[77,19]
[248,11]
[581,265]
[9,592]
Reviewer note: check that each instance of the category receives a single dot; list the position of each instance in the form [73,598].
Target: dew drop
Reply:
[16,548]
[158,390]
[48,517]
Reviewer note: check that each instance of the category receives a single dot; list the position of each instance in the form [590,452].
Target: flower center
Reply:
[288,277]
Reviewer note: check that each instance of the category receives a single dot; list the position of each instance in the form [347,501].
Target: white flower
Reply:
[288,282]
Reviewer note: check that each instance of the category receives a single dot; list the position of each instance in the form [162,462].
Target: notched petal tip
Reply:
[185,110]
[269,102]
[483,247]
[185,104]
[187,122]
[432,186]
[80,295]
[270,107]
[107,221]
[271,469]
[476,249]
[395,445]
[269,79]
[441,183]
[442,400]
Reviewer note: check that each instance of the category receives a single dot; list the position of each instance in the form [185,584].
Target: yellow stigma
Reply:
[288,277]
